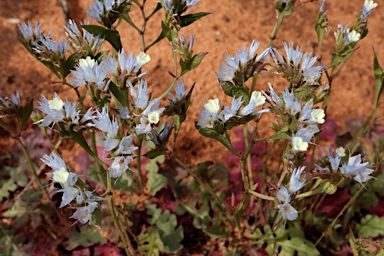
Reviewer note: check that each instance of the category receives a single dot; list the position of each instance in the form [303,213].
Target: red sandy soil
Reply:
[232,25]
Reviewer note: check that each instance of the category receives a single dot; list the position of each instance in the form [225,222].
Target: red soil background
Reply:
[233,24]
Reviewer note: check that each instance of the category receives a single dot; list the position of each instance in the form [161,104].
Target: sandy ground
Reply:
[230,26]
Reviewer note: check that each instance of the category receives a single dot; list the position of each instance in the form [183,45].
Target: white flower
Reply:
[87,62]
[353,36]
[61,175]
[317,116]
[258,98]
[368,6]
[69,194]
[141,59]
[298,144]
[340,151]
[212,106]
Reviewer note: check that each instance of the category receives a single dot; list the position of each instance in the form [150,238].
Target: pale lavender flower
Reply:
[312,116]
[141,95]
[291,103]
[84,214]
[296,181]
[308,132]
[124,113]
[69,193]
[288,212]
[257,99]
[54,161]
[125,146]
[227,112]
[358,170]
[226,73]
[209,114]
[82,39]
[54,110]
[334,160]
[91,72]
[27,31]
[119,166]
[274,99]
[190,3]
[180,92]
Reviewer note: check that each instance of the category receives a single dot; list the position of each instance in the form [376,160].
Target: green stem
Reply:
[14,245]
[139,171]
[272,37]
[142,31]
[176,76]
[127,244]
[201,182]
[248,156]
[350,202]
[285,172]
[99,168]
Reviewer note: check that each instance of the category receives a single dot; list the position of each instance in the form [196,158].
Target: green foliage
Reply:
[191,64]
[289,241]
[11,179]
[109,34]
[8,241]
[86,236]
[156,181]
[150,242]
[379,79]
[166,224]
[371,226]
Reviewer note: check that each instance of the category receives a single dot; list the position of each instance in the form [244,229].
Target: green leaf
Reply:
[111,35]
[26,113]
[150,242]
[281,134]
[155,181]
[371,226]
[166,224]
[292,242]
[352,242]
[87,235]
[192,63]
[222,138]
[168,32]
[379,78]
[15,178]
[235,91]
[120,95]
[70,64]
[190,18]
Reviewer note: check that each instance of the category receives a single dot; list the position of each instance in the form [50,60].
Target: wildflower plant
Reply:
[137,132]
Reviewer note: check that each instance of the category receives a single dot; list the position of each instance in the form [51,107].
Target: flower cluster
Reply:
[82,40]
[297,67]
[352,166]
[296,182]
[120,149]
[108,11]
[56,111]
[146,111]
[6,102]
[243,65]
[87,202]
[290,109]
[177,7]
[212,117]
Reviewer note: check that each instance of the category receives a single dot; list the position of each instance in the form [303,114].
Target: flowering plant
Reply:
[271,213]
